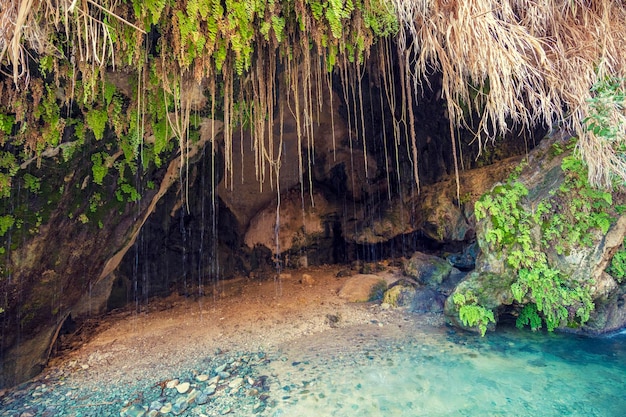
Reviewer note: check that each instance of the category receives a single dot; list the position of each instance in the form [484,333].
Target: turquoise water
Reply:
[509,373]
[369,371]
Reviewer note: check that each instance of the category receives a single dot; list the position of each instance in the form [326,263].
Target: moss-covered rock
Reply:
[546,237]
[428,270]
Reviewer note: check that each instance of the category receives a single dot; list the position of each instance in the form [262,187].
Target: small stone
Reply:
[210,390]
[226,410]
[202,377]
[214,380]
[166,408]
[172,383]
[202,398]
[250,381]
[180,405]
[153,413]
[134,410]
[307,279]
[191,397]
[236,383]
[155,405]
[224,375]
[221,368]
[253,392]
[182,388]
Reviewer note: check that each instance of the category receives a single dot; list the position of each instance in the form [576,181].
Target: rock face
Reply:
[551,243]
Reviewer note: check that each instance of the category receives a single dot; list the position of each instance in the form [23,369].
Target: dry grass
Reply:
[523,61]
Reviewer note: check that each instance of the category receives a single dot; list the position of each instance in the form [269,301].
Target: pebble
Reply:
[202,377]
[236,383]
[182,388]
[134,410]
[210,390]
[172,383]
[166,408]
[220,368]
[156,405]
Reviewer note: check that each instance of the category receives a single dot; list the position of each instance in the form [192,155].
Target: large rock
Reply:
[362,288]
[429,270]
[579,262]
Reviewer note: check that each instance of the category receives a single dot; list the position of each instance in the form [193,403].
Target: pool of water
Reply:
[406,370]
[508,373]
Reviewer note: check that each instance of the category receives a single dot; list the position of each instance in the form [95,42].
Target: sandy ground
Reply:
[243,315]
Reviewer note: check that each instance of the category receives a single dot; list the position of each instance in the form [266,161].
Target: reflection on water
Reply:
[511,372]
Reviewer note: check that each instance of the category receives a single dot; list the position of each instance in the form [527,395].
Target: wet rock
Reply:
[492,290]
[134,410]
[167,407]
[172,383]
[297,229]
[182,388]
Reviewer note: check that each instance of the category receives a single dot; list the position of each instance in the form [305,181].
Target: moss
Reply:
[378,291]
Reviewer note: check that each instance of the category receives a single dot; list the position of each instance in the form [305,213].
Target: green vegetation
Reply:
[99,167]
[32,183]
[6,222]
[569,218]
[617,268]
[529,316]
[471,313]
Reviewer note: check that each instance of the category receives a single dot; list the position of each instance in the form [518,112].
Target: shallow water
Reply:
[511,372]
[372,371]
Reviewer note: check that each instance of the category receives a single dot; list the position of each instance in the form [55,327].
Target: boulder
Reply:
[427,300]
[400,295]
[362,288]
[429,270]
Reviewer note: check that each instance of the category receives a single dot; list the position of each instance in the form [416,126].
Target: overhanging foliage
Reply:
[516,61]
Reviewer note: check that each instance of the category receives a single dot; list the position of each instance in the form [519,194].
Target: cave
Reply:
[312,208]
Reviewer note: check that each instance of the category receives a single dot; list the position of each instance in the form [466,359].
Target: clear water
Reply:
[509,373]
[383,372]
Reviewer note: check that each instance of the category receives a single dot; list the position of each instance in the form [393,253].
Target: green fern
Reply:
[96,121]
[471,313]
[6,223]
[529,316]
[99,167]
